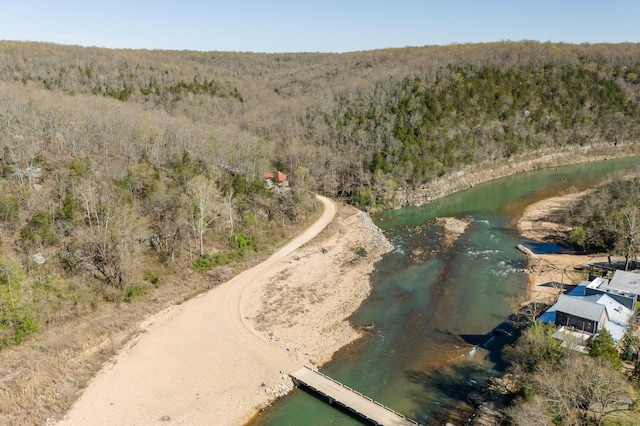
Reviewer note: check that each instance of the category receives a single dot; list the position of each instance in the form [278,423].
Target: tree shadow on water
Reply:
[505,333]
[445,393]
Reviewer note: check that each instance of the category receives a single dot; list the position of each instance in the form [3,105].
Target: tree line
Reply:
[607,219]
[408,132]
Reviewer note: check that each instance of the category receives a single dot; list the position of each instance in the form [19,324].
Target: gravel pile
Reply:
[375,234]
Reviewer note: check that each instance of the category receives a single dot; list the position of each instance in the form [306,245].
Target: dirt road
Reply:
[196,363]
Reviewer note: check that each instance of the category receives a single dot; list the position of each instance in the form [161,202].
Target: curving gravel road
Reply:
[196,363]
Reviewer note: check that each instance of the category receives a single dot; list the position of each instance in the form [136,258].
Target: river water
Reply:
[433,310]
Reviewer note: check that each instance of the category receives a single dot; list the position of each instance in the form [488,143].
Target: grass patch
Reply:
[360,251]
[134,292]
[207,261]
[152,277]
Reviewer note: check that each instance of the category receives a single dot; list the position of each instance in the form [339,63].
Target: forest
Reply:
[131,179]
[606,219]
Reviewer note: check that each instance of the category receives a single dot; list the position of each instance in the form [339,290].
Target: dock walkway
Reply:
[349,398]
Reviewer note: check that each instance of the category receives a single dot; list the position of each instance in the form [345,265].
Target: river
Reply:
[433,309]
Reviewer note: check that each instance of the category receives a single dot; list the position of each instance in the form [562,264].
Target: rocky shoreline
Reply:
[475,174]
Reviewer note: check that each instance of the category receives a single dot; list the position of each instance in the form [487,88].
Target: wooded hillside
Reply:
[123,171]
[358,124]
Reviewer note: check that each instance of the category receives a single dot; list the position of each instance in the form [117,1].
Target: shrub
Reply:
[203,263]
[69,206]
[134,292]
[9,209]
[80,168]
[601,346]
[16,320]
[629,351]
[16,323]
[38,229]
[207,261]
[244,242]
[152,277]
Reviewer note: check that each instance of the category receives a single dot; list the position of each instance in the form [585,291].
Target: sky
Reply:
[315,26]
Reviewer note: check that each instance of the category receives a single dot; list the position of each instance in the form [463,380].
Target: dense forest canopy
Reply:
[123,170]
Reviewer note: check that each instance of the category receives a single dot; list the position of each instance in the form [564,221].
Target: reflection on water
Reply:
[434,309]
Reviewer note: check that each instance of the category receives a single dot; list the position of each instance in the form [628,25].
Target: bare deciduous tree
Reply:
[580,390]
[110,241]
[630,215]
[203,204]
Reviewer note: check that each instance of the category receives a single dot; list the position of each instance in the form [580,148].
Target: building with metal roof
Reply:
[592,306]
[624,287]
[580,313]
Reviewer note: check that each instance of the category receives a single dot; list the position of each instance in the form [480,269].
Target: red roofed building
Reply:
[278,178]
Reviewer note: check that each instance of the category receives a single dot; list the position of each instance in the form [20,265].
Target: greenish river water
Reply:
[433,309]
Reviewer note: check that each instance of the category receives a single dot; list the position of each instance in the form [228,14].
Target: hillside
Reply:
[133,179]
[398,117]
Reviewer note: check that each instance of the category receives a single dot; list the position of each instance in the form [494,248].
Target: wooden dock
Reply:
[350,399]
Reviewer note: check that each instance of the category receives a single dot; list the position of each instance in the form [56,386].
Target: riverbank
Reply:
[306,302]
[540,222]
[475,174]
[547,272]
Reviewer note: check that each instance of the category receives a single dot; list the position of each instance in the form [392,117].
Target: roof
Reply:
[625,282]
[597,282]
[619,316]
[580,307]
[580,289]
[281,176]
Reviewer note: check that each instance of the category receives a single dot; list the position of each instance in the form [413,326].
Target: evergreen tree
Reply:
[601,346]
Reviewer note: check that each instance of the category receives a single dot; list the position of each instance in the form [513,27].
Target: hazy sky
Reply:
[315,26]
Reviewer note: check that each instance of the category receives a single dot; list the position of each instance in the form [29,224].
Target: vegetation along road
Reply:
[188,360]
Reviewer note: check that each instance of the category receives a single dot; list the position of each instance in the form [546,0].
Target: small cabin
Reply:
[277,179]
